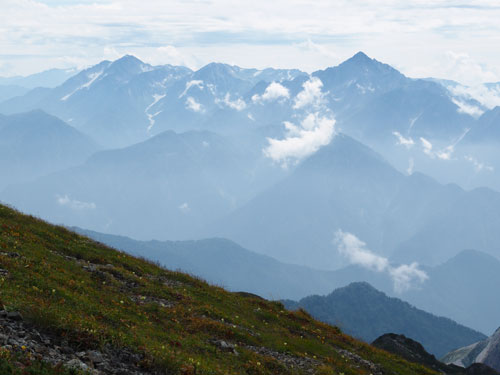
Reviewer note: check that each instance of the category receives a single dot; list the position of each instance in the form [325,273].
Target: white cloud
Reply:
[301,140]
[488,96]
[404,277]
[427,146]
[468,109]
[311,95]
[407,142]
[478,166]
[184,208]
[467,70]
[446,153]
[258,33]
[273,92]
[351,247]
[193,105]
[66,201]
[238,104]
[443,154]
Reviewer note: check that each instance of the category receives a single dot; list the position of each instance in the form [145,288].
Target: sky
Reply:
[440,38]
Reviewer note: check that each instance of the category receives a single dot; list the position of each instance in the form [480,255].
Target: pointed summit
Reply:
[361,73]
[130,64]
[361,56]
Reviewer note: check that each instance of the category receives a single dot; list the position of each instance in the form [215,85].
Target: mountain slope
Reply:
[48,78]
[167,187]
[85,100]
[486,351]
[347,186]
[459,288]
[102,301]
[223,262]
[364,312]
[344,185]
[33,144]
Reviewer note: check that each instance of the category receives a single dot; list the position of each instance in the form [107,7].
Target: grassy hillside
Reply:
[100,300]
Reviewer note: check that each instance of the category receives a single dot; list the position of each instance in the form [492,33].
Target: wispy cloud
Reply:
[193,105]
[478,166]
[404,277]
[237,104]
[66,201]
[443,154]
[407,142]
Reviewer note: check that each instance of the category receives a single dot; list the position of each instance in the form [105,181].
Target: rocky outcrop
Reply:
[486,352]
[19,336]
[414,352]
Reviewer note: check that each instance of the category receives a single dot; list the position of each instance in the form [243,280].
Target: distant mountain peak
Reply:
[128,59]
[361,56]
[216,68]
[129,63]
[361,60]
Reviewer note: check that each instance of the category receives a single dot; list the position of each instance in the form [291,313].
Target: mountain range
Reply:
[455,289]
[415,124]
[35,144]
[362,311]
[286,164]
[71,305]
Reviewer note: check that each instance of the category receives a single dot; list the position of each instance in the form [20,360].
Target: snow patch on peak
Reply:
[92,78]
[151,116]
[195,82]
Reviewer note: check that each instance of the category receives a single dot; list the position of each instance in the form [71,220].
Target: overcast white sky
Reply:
[442,38]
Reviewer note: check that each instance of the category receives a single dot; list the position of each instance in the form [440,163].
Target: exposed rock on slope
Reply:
[415,352]
[486,352]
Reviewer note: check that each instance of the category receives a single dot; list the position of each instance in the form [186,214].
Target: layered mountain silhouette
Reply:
[34,144]
[364,312]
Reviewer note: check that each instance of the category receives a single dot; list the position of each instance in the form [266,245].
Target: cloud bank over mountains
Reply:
[67,33]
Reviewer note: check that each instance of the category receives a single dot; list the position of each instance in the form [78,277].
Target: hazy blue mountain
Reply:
[362,311]
[33,144]
[168,187]
[459,288]
[485,351]
[372,100]
[347,186]
[11,91]
[48,78]
[224,262]
[487,129]
[104,101]
[150,99]
[343,186]
[357,80]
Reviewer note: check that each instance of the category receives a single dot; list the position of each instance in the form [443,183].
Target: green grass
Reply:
[116,305]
